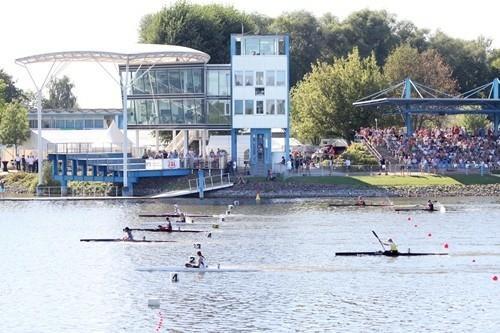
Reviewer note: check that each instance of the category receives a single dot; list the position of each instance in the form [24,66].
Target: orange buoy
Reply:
[445,245]
[429,234]
[409,218]
[495,278]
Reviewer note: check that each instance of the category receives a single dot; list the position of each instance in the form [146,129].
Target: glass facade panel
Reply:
[213,83]
[270,106]
[280,78]
[259,107]
[174,81]
[252,46]
[98,123]
[165,112]
[89,123]
[177,111]
[162,82]
[267,46]
[60,123]
[79,123]
[238,106]
[217,112]
[189,111]
[259,78]
[197,81]
[249,106]
[269,78]
[280,106]
[281,46]
[248,78]
[238,78]
[69,123]
[224,82]
[187,75]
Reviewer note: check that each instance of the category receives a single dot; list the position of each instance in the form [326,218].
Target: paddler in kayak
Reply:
[128,236]
[182,218]
[430,205]
[167,227]
[360,201]
[394,247]
[200,261]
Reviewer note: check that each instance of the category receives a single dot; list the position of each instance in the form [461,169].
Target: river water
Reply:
[52,282]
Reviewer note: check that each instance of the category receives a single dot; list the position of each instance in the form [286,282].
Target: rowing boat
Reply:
[415,209]
[163,230]
[194,270]
[387,254]
[124,240]
[358,205]
[174,214]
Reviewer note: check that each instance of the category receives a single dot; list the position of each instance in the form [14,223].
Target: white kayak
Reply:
[210,269]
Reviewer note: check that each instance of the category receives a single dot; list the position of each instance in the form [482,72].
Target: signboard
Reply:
[160,164]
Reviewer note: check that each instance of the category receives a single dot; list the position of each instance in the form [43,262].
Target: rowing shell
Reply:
[388,254]
[175,215]
[415,210]
[195,270]
[164,230]
[123,240]
[357,205]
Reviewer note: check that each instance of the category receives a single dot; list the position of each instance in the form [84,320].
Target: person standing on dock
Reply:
[360,201]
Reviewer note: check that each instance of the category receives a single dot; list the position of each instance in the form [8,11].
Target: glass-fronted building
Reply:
[79,119]
[191,96]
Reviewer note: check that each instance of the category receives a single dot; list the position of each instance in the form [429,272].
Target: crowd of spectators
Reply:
[434,149]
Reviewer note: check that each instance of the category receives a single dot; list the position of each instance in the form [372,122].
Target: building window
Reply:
[280,78]
[213,83]
[270,106]
[224,78]
[259,78]
[281,46]
[178,111]
[227,109]
[70,124]
[34,124]
[248,78]
[259,107]
[238,47]
[267,46]
[238,78]
[162,81]
[89,123]
[238,106]
[60,123]
[197,81]
[98,123]
[280,106]
[269,78]
[249,106]
[174,80]
[252,46]
[259,92]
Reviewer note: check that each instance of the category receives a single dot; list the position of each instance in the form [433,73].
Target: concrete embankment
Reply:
[290,190]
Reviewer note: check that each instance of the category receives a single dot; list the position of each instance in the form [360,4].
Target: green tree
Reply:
[306,41]
[322,102]
[468,59]
[9,92]
[202,27]
[14,127]
[472,122]
[427,68]
[60,94]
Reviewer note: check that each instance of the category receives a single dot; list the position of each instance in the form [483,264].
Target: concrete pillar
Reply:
[157,137]
[234,145]
[287,144]
[186,142]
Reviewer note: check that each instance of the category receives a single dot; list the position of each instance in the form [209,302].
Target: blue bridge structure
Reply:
[410,98]
[105,167]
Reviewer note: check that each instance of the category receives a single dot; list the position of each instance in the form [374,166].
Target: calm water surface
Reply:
[51,282]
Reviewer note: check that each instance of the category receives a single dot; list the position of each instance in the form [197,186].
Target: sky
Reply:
[29,27]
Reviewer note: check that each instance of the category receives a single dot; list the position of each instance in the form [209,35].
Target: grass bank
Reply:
[395,180]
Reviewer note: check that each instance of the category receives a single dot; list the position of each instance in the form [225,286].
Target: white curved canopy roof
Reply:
[136,55]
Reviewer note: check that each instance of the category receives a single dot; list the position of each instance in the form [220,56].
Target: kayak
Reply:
[173,214]
[388,254]
[356,205]
[164,230]
[194,270]
[123,240]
